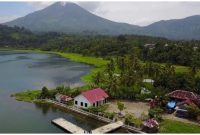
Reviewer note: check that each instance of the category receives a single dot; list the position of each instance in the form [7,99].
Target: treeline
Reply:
[165,51]
[184,53]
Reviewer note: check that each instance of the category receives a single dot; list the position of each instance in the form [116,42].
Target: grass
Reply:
[27,96]
[171,126]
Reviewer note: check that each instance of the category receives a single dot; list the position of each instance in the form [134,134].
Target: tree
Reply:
[120,106]
[45,93]
[97,78]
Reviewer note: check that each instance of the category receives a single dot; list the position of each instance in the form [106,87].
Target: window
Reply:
[81,103]
[85,104]
[93,104]
[97,103]
[76,102]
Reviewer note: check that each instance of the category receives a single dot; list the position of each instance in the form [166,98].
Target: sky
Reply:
[137,13]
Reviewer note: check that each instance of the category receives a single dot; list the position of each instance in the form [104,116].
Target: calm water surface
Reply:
[22,71]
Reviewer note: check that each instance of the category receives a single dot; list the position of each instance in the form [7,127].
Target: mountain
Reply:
[70,18]
[73,19]
[187,28]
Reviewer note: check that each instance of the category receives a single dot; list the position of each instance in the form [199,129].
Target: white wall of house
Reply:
[81,99]
[57,96]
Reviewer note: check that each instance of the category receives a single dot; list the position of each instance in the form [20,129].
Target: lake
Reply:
[22,71]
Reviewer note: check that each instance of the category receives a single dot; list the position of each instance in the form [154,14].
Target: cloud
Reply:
[39,5]
[4,19]
[90,6]
[145,13]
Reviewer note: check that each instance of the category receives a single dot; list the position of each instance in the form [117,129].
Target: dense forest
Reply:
[165,51]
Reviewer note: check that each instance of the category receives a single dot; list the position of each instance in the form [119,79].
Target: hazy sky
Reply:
[138,13]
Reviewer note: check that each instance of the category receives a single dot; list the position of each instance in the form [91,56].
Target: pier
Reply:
[100,118]
[108,128]
[68,126]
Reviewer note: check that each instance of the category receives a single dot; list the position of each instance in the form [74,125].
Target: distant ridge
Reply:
[72,19]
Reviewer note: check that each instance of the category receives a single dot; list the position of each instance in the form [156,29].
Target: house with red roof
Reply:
[95,97]
[62,98]
[185,97]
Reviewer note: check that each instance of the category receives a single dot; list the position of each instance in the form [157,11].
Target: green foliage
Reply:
[130,119]
[193,111]
[27,96]
[44,93]
[120,106]
[109,115]
[64,90]
[155,113]
[98,109]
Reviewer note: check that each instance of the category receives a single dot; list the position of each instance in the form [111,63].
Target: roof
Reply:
[95,95]
[148,80]
[187,102]
[184,95]
[63,97]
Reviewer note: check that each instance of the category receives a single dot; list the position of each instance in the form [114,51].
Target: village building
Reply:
[183,95]
[148,81]
[145,91]
[62,98]
[182,99]
[195,48]
[166,45]
[95,97]
[150,46]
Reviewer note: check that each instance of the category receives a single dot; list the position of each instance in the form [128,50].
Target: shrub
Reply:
[155,113]
[109,115]
[129,119]
[193,111]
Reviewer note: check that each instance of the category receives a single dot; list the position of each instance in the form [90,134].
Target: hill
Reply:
[70,18]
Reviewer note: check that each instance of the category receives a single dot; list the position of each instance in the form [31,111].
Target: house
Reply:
[184,97]
[148,81]
[150,46]
[166,45]
[62,98]
[145,91]
[95,97]
[195,48]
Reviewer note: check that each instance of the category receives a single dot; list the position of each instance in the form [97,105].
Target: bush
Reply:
[193,111]
[109,115]
[98,109]
[132,121]
[129,119]
[155,113]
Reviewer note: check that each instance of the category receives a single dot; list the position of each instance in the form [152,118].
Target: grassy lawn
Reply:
[170,126]
[27,96]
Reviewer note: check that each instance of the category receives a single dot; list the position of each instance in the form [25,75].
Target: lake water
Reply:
[21,71]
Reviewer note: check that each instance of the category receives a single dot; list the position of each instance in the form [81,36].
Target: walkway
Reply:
[108,128]
[106,120]
[68,126]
